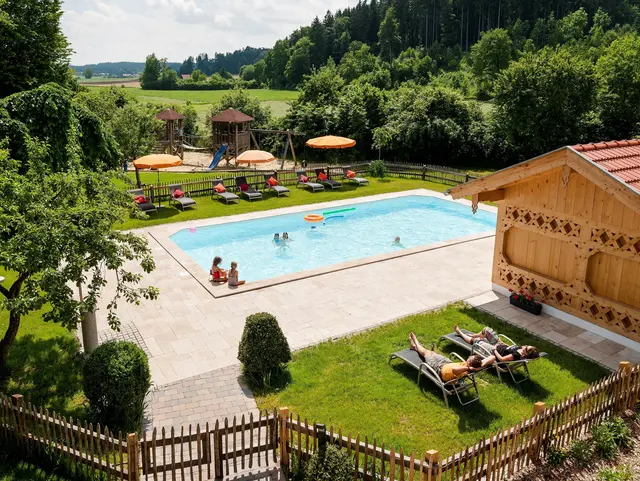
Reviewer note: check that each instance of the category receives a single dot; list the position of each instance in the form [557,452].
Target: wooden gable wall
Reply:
[574,246]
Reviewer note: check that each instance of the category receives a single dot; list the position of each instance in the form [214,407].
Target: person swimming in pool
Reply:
[396,242]
[276,239]
[285,237]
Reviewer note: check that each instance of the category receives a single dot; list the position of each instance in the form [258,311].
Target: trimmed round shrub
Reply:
[116,381]
[330,464]
[377,168]
[263,348]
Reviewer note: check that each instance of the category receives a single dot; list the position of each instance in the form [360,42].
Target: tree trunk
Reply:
[9,337]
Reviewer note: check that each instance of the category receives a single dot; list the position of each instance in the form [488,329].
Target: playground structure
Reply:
[172,142]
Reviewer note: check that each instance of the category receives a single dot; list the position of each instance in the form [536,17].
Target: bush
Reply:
[610,436]
[556,456]
[621,473]
[377,168]
[330,465]
[263,348]
[621,432]
[581,451]
[116,381]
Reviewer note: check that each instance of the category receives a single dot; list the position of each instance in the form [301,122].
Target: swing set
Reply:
[287,146]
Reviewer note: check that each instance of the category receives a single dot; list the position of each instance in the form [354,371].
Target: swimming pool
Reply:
[358,231]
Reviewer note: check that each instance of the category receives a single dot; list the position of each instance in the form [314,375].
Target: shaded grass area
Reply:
[11,470]
[43,363]
[350,384]
[208,207]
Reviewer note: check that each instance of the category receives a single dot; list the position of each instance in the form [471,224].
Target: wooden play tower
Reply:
[172,141]
[233,129]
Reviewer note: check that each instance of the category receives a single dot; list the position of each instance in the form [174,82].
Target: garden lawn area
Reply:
[44,363]
[208,207]
[349,384]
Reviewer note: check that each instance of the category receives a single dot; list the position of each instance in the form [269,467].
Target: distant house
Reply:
[568,232]
[185,76]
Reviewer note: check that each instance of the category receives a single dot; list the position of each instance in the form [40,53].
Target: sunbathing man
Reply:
[487,335]
[445,367]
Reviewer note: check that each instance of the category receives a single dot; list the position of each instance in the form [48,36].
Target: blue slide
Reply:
[216,158]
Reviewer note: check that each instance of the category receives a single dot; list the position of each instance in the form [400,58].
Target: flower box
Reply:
[526,303]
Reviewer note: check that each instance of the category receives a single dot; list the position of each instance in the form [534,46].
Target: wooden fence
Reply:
[231,447]
[202,184]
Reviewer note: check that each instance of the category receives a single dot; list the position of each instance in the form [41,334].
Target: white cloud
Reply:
[118,30]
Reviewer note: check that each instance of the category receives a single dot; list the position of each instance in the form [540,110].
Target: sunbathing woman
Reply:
[487,335]
[445,367]
[504,353]
[218,274]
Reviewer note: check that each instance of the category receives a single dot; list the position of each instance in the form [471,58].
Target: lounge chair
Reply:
[226,196]
[278,189]
[454,387]
[146,207]
[354,180]
[249,192]
[501,367]
[314,186]
[184,201]
[332,184]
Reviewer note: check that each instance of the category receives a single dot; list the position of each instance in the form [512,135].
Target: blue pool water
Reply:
[366,231]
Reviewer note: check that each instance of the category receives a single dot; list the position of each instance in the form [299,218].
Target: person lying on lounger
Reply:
[445,367]
[487,335]
[504,353]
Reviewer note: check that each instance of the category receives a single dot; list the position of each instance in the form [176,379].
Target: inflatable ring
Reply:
[314,218]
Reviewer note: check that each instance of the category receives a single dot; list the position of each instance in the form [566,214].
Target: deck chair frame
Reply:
[455,387]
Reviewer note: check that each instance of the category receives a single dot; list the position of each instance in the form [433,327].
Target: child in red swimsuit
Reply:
[218,274]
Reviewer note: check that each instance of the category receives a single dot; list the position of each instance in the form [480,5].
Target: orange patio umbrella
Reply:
[254,157]
[157,162]
[331,142]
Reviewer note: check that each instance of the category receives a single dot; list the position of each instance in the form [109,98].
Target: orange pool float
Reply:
[314,218]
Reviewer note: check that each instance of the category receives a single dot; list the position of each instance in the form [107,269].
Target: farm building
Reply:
[568,231]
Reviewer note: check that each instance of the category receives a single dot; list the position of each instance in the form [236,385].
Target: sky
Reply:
[129,30]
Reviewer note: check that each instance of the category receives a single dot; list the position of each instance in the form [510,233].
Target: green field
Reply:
[97,80]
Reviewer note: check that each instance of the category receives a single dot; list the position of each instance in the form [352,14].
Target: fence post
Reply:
[132,457]
[625,368]
[284,438]
[430,456]
[466,178]
[17,401]
[321,432]
[538,408]
[424,171]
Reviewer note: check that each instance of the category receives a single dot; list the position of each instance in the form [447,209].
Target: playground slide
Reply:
[217,157]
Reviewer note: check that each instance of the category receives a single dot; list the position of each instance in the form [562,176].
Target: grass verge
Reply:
[350,384]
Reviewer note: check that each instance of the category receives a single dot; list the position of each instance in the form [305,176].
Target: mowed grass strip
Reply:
[208,207]
[350,384]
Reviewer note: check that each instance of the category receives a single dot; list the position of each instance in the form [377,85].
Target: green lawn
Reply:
[44,364]
[349,383]
[208,207]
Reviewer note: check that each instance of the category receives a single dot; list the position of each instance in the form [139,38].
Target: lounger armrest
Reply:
[481,350]
[458,356]
[430,370]
[510,341]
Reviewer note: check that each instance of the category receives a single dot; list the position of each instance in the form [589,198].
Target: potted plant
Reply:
[525,301]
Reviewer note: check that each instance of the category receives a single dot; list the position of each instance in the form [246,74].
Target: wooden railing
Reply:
[228,448]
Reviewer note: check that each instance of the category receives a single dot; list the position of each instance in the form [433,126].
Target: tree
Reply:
[276,64]
[241,100]
[88,73]
[55,232]
[299,63]
[491,54]
[357,61]
[545,101]
[34,49]
[151,73]
[618,71]
[248,73]
[187,67]
[572,27]
[389,36]
[198,76]
[323,86]
[412,64]
[136,130]
[318,37]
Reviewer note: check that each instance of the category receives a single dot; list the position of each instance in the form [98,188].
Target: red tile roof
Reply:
[232,116]
[169,114]
[620,158]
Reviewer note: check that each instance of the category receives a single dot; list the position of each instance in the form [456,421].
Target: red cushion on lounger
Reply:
[220,188]
[178,193]
[140,199]
[351,174]
[304,178]
[244,187]
[272,182]
[322,176]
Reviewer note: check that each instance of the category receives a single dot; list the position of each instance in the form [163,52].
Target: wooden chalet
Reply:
[569,231]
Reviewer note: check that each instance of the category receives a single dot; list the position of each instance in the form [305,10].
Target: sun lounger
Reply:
[226,196]
[482,350]
[314,186]
[184,201]
[357,180]
[278,189]
[146,207]
[451,388]
[249,192]
[332,184]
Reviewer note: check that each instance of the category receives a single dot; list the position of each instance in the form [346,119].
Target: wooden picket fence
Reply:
[230,448]
[202,184]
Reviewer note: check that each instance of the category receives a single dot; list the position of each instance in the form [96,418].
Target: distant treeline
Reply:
[117,69]
[222,62]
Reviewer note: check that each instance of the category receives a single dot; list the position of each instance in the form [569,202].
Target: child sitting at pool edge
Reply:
[218,274]
[233,275]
